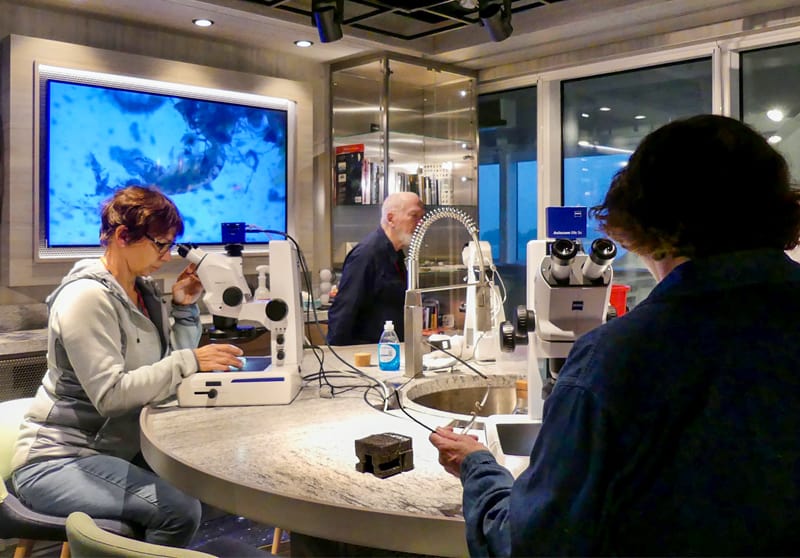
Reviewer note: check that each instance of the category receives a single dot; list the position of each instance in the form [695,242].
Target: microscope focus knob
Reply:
[232,296]
[277,309]
[526,321]
[508,341]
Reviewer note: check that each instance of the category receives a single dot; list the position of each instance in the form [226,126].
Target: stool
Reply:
[276,540]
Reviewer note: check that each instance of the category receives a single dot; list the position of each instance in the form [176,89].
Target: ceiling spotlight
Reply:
[496,17]
[776,114]
[303,43]
[327,17]
[203,22]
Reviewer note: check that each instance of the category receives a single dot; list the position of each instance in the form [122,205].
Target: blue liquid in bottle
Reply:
[389,348]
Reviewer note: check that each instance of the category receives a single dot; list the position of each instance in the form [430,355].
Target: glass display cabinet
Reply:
[404,124]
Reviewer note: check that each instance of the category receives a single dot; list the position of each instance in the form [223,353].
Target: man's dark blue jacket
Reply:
[371,290]
[673,430]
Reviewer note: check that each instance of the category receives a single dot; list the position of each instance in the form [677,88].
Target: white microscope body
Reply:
[483,344]
[568,293]
[268,380]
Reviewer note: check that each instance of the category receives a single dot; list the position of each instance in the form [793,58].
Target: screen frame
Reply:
[46,72]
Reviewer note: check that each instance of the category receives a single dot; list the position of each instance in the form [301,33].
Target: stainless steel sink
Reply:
[462,394]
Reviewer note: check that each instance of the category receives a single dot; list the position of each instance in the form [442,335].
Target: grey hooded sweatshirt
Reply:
[105,361]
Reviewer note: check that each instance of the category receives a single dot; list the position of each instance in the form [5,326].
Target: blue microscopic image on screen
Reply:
[219,162]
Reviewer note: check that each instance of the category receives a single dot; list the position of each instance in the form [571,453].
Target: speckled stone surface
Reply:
[294,466]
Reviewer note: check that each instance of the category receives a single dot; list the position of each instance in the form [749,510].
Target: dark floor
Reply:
[216,525]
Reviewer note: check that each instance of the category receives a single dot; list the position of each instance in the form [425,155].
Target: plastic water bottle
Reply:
[389,348]
[262,292]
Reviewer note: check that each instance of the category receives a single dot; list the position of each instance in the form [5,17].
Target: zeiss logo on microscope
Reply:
[566,222]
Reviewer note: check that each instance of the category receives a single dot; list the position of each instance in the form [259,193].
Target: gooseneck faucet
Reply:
[413,306]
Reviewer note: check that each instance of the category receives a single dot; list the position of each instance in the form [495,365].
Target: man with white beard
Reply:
[374,278]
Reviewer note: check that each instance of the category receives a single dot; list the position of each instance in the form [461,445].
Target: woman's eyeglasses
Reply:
[162,247]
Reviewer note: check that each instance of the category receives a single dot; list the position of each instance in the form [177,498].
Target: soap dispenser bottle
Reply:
[389,348]
[262,292]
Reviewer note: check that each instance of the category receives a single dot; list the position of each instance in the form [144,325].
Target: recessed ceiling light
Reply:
[639,117]
[203,22]
[584,115]
[772,140]
[303,43]
[463,93]
[604,109]
[776,115]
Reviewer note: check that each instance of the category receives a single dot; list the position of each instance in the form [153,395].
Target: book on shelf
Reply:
[372,183]
[349,174]
[430,314]
[359,180]
[431,190]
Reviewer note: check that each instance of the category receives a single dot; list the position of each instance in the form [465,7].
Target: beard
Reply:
[405,239]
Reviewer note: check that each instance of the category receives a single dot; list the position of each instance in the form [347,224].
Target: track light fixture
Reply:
[327,17]
[496,17]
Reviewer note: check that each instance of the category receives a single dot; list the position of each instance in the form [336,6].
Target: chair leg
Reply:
[276,540]
[24,547]
[65,550]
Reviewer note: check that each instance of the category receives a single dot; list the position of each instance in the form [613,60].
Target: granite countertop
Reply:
[294,465]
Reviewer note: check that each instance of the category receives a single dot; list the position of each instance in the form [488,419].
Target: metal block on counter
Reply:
[385,454]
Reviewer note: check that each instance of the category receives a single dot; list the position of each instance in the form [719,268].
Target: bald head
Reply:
[400,214]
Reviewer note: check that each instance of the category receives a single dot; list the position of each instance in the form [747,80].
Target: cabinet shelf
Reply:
[415,123]
[406,147]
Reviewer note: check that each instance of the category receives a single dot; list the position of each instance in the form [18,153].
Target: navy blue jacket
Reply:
[673,430]
[371,290]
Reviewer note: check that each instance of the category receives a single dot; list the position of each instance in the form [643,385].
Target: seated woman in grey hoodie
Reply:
[111,351]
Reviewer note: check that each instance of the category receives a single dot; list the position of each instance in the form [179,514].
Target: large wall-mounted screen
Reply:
[221,156]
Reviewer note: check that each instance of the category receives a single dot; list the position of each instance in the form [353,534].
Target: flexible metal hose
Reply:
[436,214]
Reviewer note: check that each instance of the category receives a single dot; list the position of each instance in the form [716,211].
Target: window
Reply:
[507,183]
[603,120]
[770,79]
[507,189]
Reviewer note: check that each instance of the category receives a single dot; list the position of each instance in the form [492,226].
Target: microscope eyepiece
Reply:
[603,250]
[562,253]
[234,250]
[600,257]
[183,249]
[564,249]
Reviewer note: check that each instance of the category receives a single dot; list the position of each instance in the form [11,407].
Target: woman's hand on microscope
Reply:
[453,448]
[218,357]
[187,288]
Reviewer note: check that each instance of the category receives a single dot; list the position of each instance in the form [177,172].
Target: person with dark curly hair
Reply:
[672,430]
